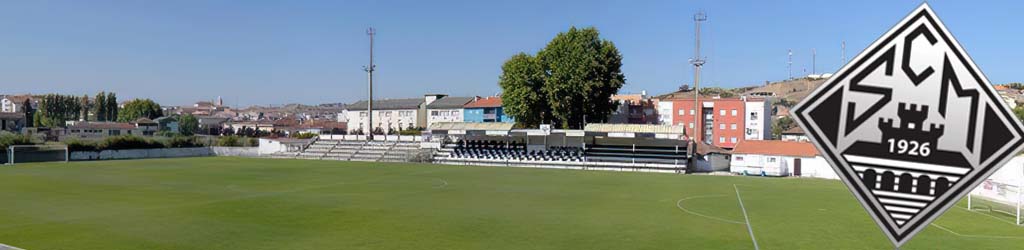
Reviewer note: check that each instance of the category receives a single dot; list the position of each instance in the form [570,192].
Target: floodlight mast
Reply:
[697,62]
[369,75]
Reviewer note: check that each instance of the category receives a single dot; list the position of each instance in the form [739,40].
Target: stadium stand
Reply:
[353,150]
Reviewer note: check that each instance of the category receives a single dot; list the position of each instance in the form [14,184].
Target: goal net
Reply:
[37,153]
[1001,194]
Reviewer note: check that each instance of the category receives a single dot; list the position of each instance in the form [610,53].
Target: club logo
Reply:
[911,125]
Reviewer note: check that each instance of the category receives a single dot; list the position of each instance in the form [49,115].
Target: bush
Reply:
[8,139]
[180,141]
[306,135]
[77,145]
[128,142]
[228,141]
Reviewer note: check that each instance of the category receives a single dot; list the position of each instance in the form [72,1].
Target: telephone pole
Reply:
[369,75]
[697,62]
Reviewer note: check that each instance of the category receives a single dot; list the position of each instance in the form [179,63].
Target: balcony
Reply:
[490,116]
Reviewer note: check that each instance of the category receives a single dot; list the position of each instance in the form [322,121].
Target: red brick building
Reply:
[721,120]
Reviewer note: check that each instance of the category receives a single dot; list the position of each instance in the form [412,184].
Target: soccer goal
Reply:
[37,153]
[1001,193]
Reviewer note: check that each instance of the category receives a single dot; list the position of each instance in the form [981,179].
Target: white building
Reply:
[447,109]
[15,103]
[665,113]
[757,118]
[388,114]
[795,134]
[779,158]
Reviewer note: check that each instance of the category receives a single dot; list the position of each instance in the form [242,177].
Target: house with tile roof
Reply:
[485,109]
[388,114]
[447,109]
[779,158]
[96,130]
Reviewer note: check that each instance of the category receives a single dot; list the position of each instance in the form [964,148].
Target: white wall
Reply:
[758,120]
[444,115]
[394,119]
[665,113]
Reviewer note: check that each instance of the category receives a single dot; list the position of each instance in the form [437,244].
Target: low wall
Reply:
[236,151]
[164,153]
[140,153]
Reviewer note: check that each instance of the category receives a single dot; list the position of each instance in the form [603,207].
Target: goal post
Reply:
[37,153]
[1002,193]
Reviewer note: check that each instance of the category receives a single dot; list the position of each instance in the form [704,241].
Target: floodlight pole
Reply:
[369,74]
[697,62]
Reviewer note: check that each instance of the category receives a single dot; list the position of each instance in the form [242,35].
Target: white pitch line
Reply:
[975,236]
[989,215]
[745,217]
[679,204]
[444,184]
[8,247]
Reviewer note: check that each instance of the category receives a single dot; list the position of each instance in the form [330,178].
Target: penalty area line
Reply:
[750,229]
[8,247]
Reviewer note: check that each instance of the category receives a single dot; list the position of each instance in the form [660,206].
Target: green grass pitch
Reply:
[241,203]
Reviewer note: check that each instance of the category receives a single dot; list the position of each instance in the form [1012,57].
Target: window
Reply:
[721,139]
[455,113]
[738,158]
[114,132]
[691,125]
[721,126]
[771,159]
[733,126]
[753,115]
[733,139]
[733,112]
[692,112]
[721,112]
[434,113]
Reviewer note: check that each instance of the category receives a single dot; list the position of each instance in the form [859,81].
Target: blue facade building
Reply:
[486,109]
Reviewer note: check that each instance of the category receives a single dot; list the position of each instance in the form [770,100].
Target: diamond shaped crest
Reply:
[910,125]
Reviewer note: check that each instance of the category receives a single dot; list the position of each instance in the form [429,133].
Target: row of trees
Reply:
[53,110]
[567,84]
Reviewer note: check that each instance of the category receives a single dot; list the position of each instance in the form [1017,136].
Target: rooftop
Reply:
[450,103]
[782,148]
[102,125]
[486,102]
[388,104]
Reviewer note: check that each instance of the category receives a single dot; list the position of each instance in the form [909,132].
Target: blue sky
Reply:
[276,52]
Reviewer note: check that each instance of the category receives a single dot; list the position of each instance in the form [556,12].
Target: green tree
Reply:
[100,107]
[1019,112]
[579,72]
[54,110]
[84,102]
[188,124]
[781,125]
[139,108]
[111,108]
[522,80]
[30,113]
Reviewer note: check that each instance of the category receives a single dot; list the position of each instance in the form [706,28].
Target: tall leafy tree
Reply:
[188,124]
[111,107]
[86,106]
[139,108]
[29,111]
[100,107]
[579,72]
[522,80]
